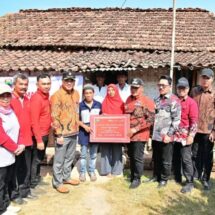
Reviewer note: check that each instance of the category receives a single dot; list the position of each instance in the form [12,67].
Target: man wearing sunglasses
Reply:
[203,144]
[167,119]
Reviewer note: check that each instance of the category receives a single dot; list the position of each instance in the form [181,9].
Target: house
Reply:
[86,40]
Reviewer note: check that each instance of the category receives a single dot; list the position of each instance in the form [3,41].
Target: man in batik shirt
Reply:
[167,120]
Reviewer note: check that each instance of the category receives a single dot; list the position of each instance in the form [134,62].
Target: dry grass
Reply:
[147,199]
[114,198]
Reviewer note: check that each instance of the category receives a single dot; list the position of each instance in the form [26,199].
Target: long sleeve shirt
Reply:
[206,104]
[167,116]
[65,112]
[141,112]
[9,132]
[189,120]
[40,115]
[21,108]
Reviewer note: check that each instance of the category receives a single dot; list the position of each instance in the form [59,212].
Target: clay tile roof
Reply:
[24,60]
[110,28]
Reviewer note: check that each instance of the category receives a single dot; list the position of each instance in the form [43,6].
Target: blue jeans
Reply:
[93,148]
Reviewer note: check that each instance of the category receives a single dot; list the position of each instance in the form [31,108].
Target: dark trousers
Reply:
[182,161]
[5,176]
[202,156]
[162,154]
[21,174]
[136,155]
[37,158]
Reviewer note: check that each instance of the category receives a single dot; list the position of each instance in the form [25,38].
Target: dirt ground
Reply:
[112,197]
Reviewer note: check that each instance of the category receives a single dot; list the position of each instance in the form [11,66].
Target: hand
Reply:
[88,129]
[189,140]
[55,125]
[40,146]
[19,150]
[211,137]
[166,139]
[132,132]
[60,140]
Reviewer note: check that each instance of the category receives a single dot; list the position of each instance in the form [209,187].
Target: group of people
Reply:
[182,137]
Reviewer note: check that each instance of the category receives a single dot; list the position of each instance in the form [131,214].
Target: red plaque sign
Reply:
[110,128]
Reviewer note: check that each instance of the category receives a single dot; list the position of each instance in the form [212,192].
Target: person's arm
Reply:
[5,141]
[148,119]
[36,106]
[56,113]
[193,119]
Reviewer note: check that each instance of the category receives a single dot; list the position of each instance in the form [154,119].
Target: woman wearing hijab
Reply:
[9,132]
[111,154]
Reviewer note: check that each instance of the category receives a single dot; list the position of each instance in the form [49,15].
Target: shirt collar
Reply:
[210,90]
[93,105]
[65,92]
[15,95]
[44,95]
[166,96]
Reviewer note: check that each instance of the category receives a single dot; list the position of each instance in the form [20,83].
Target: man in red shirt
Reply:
[184,136]
[21,106]
[41,124]
[142,111]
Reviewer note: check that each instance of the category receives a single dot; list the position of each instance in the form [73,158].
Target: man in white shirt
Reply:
[100,89]
[124,88]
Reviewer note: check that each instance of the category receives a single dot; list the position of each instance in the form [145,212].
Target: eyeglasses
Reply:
[162,85]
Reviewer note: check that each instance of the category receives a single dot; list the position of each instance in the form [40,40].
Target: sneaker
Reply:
[62,189]
[13,209]
[187,188]
[82,177]
[134,184]
[92,176]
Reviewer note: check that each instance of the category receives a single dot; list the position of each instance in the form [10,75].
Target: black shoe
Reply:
[206,185]
[19,201]
[134,184]
[187,188]
[152,179]
[162,184]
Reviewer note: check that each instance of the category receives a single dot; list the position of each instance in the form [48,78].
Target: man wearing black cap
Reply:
[65,118]
[141,110]
[203,144]
[167,120]
[124,88]
[184,136]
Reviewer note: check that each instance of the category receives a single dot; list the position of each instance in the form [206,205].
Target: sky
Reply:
[11,6]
